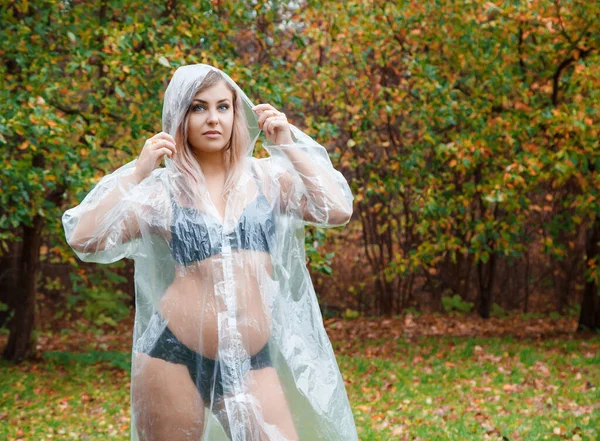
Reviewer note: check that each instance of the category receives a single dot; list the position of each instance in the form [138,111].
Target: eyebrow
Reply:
[206,102]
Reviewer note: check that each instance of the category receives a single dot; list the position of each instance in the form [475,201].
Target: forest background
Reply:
[468,131]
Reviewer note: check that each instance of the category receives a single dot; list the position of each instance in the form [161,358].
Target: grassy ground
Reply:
[478,389]
[425,388]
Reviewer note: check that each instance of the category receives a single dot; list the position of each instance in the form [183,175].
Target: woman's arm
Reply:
[324,196]
[110,214]
[310,184]
[91,231]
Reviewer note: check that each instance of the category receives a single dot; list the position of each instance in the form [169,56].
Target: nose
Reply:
[213,117]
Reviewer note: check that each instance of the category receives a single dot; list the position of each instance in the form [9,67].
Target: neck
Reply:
[212,164]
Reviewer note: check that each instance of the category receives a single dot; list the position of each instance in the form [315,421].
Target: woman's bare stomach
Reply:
[191,308]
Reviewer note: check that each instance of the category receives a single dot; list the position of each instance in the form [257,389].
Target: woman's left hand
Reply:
[274,124]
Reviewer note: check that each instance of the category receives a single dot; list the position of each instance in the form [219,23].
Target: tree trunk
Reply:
[20,345]
[590,306]
[486,283]
[526,282]
[9,264]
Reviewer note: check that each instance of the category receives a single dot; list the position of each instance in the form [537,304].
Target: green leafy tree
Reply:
[460,123]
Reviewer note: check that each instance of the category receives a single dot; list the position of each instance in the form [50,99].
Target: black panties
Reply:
[169,348]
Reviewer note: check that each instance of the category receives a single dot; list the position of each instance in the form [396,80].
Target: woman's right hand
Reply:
[154,150]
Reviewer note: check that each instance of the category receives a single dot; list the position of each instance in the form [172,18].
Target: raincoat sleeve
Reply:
[311,189]
[110,221]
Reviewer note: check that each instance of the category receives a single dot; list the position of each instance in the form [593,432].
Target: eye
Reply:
[197,107]
[225,106]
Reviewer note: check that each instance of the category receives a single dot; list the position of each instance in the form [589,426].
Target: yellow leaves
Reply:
[354,109]
[522,106]
[510,387]
[23,146]
[452,163]
[549,24]
[591,263]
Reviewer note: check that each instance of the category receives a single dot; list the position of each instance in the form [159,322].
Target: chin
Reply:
[208,148]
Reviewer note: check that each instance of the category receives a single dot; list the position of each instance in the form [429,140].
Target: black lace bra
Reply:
[197,235]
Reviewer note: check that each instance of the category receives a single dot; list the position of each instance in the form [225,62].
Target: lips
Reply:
[212,132]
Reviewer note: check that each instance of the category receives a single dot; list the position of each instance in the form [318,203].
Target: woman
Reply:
[226,315]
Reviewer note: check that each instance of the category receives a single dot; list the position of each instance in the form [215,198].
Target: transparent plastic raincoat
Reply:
[228,341]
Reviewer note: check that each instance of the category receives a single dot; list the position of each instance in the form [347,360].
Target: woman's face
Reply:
[211,111]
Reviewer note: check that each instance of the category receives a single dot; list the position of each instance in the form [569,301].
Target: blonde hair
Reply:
[235,150]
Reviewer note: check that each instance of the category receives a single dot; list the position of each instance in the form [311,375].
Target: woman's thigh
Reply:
[165,401]
[266,389]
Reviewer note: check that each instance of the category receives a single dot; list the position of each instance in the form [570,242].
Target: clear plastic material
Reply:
[228,341]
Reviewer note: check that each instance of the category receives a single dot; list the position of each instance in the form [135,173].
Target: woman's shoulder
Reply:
[266,167]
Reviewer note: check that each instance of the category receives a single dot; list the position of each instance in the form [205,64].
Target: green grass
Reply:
[427,389]
[70,396]
[477,389]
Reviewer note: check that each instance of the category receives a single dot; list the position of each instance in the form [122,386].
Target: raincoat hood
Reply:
[181,89]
